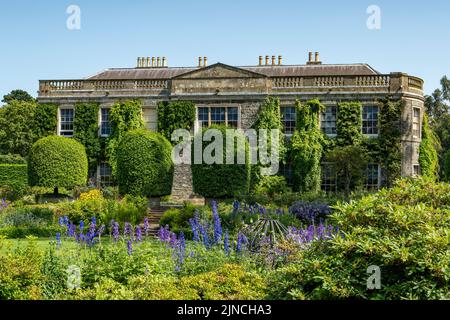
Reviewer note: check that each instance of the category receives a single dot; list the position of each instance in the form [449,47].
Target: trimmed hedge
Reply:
[144,164]
[57,161]
[221,180]
[14,176]
[12,159]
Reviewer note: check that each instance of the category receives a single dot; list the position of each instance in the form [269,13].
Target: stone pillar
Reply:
[182,188]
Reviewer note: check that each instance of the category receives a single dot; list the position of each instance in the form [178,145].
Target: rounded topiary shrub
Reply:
[57,162]
[144,164]
[222,180]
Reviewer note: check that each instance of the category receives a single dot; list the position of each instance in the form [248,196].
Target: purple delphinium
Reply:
[116,232]
[181,248]
[235,207]
[146,227]
[129,247]
[217,224]
[226,243]
[164,234]
[242,240]
[72,230]
[194,223]
[81,226]
[61,221]
[4,204]
[101,230]
[138,233]
[127,230]
[173,240]
[204,233]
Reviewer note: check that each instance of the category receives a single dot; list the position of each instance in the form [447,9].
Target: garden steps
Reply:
[154,216]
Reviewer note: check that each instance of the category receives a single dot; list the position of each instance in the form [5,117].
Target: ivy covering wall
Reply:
[307,146]
[175,115]
[428,151]
[348,123]
[389,141]
[124,116]
[85,124]
[269,118]
[45,119]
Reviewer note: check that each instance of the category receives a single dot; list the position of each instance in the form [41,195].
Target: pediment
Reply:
[219,71]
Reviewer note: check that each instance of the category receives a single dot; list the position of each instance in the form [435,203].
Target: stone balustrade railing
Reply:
[92,85]
[332,81]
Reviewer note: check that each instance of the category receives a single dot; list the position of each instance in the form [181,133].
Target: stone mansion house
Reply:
[233,94]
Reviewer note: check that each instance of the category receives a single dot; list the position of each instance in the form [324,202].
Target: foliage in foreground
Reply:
[404,231]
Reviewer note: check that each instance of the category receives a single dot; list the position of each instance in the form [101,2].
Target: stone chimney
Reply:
[153,61]
[260,60]
[280,60]
[267,60]
[200,61]
[164,62]
[205,61]
[316,59]
[273,60]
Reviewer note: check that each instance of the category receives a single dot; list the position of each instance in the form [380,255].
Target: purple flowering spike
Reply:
[129,248]
[58,239]
[146,227]
[101,230]
[138,233]
[116,232]
[226,244]
[242,240]
[217,224]
[173,240]
[127,229]
[81,226]
[94,220]
[194,228]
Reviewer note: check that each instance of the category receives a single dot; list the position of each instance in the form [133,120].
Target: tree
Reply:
[19,95]
[17,127]
[436,105]
[350,163]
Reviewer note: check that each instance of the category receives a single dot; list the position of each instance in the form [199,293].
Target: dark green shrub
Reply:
[144,163]
[447,166]
[57,161]
[178,219]
[222,180]
[13,180]
[46,120]
[428,151]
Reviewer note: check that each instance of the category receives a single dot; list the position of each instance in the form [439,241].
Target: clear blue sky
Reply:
[414,36]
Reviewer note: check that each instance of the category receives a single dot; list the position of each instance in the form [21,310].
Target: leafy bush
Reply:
[12,159]
[57,161]
[20,275]
[403,230]
[222,180]
[13,180]
[428,151]
[178,219]
[271,186]
[144,164]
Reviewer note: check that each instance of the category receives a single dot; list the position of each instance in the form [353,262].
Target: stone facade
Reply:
[245,88]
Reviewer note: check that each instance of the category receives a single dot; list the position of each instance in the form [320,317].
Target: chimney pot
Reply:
[205,61]
[153,61]
[267,60]
[147,62]
[273,60]
[260,60]
[200,61]
[310,59]
[158,61]
[317,57]
[138,62]
[280,60]
[164,61]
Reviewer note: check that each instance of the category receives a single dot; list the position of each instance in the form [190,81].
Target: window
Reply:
[105,174]
[288,117]
[329,177]
[66,122]
[203,117]
[372,176]
[232,118]
[105,125]
[328,121]
[218,116]
[370,120]
[416,123]
[285,171]
[416,170]
[208,116]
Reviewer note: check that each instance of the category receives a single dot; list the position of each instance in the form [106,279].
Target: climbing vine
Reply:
[175,115]
[45,119]
[389,141]
[428,151]
[269,118]
[85,125]
[307,147]
[348,123]
[124,116]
